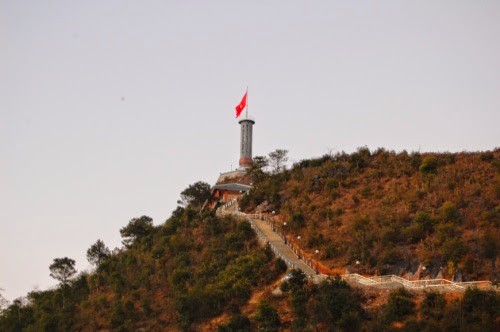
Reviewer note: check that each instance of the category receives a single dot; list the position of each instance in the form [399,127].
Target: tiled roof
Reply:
[232,186]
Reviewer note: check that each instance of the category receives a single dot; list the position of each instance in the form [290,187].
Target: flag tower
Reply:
[246,124]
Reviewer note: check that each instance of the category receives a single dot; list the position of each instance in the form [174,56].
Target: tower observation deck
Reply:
[246,122]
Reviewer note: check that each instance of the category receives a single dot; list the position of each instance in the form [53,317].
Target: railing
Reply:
[385,282]
[393,281]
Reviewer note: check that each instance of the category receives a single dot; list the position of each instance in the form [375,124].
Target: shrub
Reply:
[136,229]
[297,280]
[429,166]
[487,156]
[433,306]
[366,192]
[316,240]
[238,322]
[336,304]
[481,309]
[399,306]
[330,252]
[449,212]
[425,221]
[297,220]
[267,318]
[280,265]
[453,250]
[414,233]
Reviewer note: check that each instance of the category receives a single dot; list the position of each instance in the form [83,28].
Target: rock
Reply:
[277,292]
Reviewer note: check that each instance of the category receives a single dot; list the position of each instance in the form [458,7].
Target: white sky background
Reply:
[109,109]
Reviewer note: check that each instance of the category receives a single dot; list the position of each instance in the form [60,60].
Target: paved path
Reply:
[285,251]
[267,235]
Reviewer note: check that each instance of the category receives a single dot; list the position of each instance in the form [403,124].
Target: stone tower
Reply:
[246,124]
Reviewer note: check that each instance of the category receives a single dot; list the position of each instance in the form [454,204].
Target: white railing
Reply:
[393,281]
[386,281]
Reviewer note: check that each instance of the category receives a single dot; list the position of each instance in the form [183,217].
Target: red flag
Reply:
[241,106]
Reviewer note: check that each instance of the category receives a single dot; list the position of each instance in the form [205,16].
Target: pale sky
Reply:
[109,109]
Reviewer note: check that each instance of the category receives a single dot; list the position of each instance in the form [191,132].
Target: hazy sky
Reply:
[109,109]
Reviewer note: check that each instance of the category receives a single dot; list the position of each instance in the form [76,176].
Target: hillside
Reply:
[202,272]
[391,212]
[171,277]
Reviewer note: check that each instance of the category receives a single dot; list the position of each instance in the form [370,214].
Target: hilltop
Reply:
[390,212]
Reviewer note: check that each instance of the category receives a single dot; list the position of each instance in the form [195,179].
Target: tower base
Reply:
[245,162]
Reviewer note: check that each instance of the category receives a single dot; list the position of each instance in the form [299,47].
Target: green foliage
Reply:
[267,318]
[299,301]
[238,323]
[429,166]
[453,250]
[297,280]
[297,220]
[118,317]
[280,265]
[487,156]
[278,159]
[137,229]
[425,221]
[489,245]
[198,277]
[316,240]
[361,158]
[433,306]
[481,310]
[449,212]
[268,191]
[196,194]
[362,238]
[336,305]
[3,303]
[257,169]
[62,269]
[414,233]
[97,253]
[399,306]
[422,227]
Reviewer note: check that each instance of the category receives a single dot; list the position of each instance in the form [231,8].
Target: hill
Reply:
[203,272]
[391,212]
[171,277]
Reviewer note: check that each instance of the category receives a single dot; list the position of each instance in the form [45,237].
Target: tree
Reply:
[278,159]
[399,306]
[3,302]
[362,237]
[481,310]
[237,322]
[136,229]
[489,246]
[257,169]
[433,306]
[267,318]
[429,166]
[97,253]
[62,269]
[337,305]
[297,280]
[196,194]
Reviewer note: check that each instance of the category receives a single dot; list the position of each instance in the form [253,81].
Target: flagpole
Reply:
[247,103]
